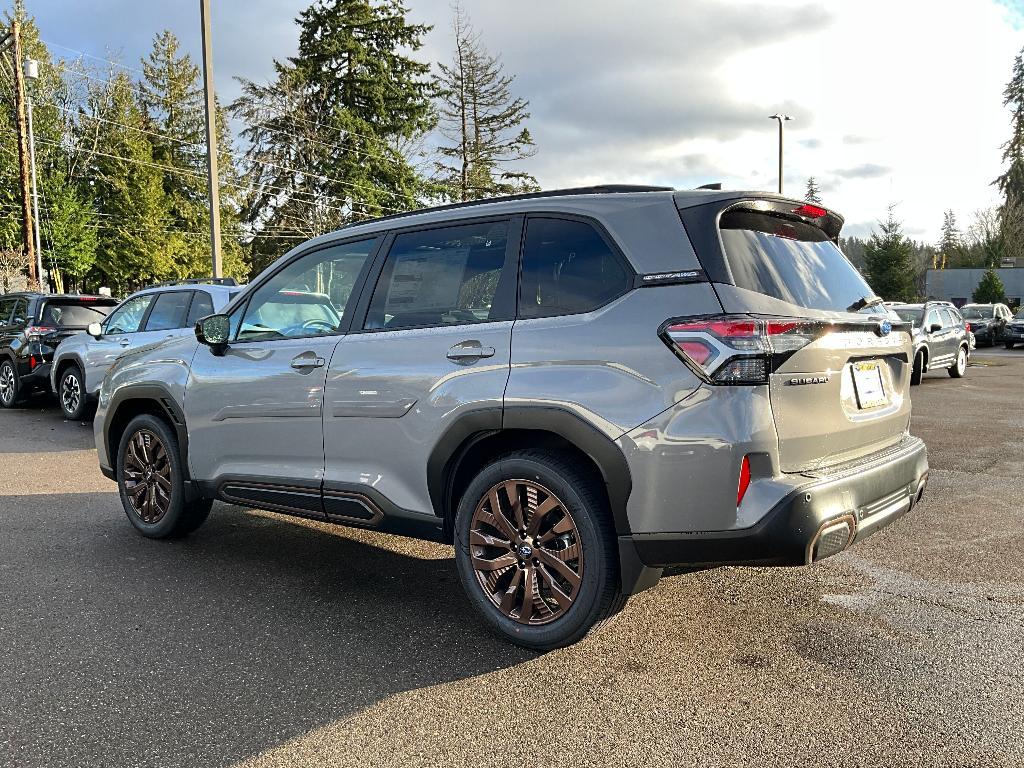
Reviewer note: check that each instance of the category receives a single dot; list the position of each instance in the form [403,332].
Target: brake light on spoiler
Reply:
[739,350]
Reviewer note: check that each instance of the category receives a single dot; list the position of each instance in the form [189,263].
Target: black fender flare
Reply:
[162,398]
[468,429]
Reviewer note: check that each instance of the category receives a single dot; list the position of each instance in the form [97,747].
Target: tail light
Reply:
[34,332]
[968,327]
[744,483]
[32,362]
[738,350]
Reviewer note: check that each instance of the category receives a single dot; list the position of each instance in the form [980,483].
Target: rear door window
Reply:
[6,310]
[790,260]
[128,317]
[73,314]
[169,311]
[441,276]
[19,318]
[568,268]
[949,319]
[202,305]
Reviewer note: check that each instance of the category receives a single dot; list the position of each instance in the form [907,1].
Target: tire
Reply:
[959,368]
[10,385]
[159,510]
[1009,344]
[573,594]
[71,394]
[918,370]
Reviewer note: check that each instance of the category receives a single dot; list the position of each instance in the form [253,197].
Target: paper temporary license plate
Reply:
[867,381]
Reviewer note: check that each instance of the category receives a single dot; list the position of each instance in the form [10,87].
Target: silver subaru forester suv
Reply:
[576,389]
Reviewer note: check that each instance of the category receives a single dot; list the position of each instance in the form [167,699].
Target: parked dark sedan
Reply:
[987,321]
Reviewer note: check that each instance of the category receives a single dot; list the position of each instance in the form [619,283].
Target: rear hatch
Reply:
[838,363]
[63,316]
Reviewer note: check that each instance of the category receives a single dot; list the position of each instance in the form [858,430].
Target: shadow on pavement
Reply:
[123,651]
[39,426]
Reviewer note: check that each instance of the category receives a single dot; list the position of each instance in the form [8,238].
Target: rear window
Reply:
[74,314]
[791,261]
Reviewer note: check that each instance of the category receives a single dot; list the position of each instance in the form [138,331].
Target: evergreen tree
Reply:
[482,120]
[888,261]
[813,192]
[1011,182]
[325,135]
[72,234]
[950,248]
[134,246]
[990,289]
[172,99]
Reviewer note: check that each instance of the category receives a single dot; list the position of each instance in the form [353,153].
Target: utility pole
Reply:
[32,73]
[23,153]
[213,183]
[782,119]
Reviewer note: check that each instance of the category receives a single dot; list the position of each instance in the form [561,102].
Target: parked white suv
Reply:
[153,314]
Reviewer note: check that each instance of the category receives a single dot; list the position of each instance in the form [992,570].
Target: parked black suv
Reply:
[31,327]
[941,337]
[987,321]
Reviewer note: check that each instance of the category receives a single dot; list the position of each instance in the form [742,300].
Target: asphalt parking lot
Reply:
[268,641]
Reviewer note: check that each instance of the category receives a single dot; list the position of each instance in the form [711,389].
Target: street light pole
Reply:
[213,183]
[782,119]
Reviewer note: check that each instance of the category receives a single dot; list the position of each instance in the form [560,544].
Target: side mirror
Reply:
[934,327]
[213,331]
[95,330]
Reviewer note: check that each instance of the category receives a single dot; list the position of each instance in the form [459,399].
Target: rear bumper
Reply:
[816,520]
[34,378]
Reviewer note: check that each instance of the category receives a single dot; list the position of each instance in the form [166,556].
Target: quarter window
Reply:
[6,309]
[442,276]
[568,268]
[169,311]
[308,297]
[128,317]
[19,318]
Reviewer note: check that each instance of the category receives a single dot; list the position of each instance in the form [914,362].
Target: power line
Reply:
[91,56]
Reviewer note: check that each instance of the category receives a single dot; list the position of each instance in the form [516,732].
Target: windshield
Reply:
[977,313]
[912,316]
[1019,315]
[792,261]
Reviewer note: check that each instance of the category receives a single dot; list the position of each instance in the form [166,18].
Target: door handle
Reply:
[124,342]
[307,361]
[467,351]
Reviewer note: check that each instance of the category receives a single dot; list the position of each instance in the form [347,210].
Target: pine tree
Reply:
[134,246]
[888,261]
[950,248]
[479,115]
[990,289]
[813,192]
[72,234]
[1011,182]
[325,136]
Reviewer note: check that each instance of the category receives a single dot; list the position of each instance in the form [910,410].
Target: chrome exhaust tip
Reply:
[832,538]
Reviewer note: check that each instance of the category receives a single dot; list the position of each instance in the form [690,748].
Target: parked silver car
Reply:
[575,388]
[163,311]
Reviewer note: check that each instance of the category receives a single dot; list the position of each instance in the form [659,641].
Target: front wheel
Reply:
[918,369]
[536,550]
[71,392]
[151,482]
[959,368]
[1009,344]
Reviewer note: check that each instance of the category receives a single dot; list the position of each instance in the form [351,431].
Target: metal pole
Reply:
[780,157]
[213,182]
[26,203]
[35,197]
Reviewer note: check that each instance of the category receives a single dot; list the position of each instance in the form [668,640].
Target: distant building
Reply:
[957,285]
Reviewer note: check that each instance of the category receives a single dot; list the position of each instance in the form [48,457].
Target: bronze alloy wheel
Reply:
[525,551]
[147,476]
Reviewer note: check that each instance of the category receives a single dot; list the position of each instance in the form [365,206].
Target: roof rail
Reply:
[716,186]
[198,281]
[600,189]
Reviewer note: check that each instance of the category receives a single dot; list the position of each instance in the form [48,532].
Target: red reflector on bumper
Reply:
[744,480]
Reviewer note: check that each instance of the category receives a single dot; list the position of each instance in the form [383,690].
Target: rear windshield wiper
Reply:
[867,301]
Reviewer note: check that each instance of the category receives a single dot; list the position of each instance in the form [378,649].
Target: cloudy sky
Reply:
[895,101]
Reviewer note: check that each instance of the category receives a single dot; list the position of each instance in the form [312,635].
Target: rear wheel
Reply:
[535,550]
[71,393]
[1009,344]
[10,386]
[151,481]
[918,370]
[959,368]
